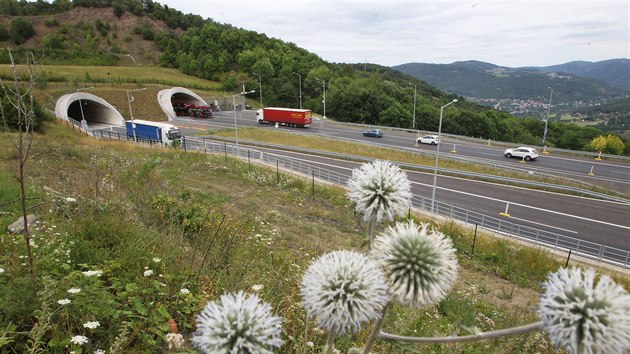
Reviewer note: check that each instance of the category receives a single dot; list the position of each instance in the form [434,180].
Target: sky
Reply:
[512,33]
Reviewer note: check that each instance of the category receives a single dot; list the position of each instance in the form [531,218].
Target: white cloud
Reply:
[510,33]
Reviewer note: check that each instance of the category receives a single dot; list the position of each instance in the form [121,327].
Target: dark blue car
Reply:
[374,133]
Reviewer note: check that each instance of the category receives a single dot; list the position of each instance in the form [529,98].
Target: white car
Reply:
[428,139]
[522,152]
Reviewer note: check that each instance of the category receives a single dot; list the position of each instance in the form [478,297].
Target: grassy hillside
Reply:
[171,230]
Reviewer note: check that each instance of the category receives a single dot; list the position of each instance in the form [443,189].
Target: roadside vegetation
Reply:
[129,238]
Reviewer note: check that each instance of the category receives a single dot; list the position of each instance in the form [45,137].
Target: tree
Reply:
[21,99]
[21,30]
[610,144]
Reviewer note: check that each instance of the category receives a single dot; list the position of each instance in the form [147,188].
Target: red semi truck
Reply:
[288,116]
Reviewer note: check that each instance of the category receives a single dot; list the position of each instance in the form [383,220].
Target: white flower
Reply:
[91,273]
[91,324]
[99,351]
[64,301]
[175,340]
[156,260]
[310,344]
[584,317]
[239,323]
[1,270]
[419,263]
[74,290]
[148,273]
[343,290]
[184,291]
[257,287]
[379,190]
[79,340]
[70,200]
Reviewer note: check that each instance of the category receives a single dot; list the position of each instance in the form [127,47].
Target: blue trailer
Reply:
[154,132]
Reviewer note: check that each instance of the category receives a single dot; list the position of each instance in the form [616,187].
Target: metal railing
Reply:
[452,172]
[548,239]
[484,141]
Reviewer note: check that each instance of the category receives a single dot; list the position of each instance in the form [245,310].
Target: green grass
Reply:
[216,226]
[117,74]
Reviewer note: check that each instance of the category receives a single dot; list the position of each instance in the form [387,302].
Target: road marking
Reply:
[472,194]
[541,224]
[620,172]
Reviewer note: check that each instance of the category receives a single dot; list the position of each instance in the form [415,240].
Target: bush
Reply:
[148,34]
[21,30]
[4,34]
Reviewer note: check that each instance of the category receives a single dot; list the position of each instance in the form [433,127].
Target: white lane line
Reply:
[541,224]
[620,172]
[485,197]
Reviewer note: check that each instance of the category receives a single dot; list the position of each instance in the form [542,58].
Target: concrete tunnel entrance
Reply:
[98,113]
[179,101]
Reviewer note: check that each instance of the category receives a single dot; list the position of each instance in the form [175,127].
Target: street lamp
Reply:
[83,121]
[323,95]
[547,119]
[129,100]
[300,78]
[437,153]
[260,88]
[415,89]
[234,107]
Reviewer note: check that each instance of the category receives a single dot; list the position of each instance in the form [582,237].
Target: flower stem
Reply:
[375,332]
[493,334]
[370,231]
[330,343]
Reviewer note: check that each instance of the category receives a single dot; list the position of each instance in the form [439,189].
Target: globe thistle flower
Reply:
[584,317]
[343,289]
[239,323]
[380,190]
[420,264]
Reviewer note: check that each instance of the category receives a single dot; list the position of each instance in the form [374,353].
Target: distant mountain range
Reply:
[575,84]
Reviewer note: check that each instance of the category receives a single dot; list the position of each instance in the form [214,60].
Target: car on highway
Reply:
[428,139]
[522,152]
[374,133]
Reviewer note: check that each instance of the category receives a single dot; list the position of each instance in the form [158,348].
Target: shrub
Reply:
[21,30]
[148,34]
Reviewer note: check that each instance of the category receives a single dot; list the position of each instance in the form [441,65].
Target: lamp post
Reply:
[300,82]
[83,121]
[437,154]
[547,119]
[129,100]
[234,107]
[323,95]
[259,88]
[415,89]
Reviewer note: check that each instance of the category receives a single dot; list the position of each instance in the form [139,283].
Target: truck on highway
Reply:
[290,117]
[152,132]
[192,110]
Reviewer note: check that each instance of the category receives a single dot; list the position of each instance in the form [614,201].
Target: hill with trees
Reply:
[142,32]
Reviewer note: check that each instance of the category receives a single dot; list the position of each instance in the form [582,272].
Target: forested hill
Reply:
[143,32]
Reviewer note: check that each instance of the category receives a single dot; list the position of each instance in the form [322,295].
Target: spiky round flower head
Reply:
[419,263]
[584,317]
[343,290]
[379,190]
[239,323]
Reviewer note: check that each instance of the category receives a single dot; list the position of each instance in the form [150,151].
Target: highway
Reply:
[612,175]
[588,219]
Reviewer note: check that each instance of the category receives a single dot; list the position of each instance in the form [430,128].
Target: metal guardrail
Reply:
[548,239]
[484,141]
[452,172]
